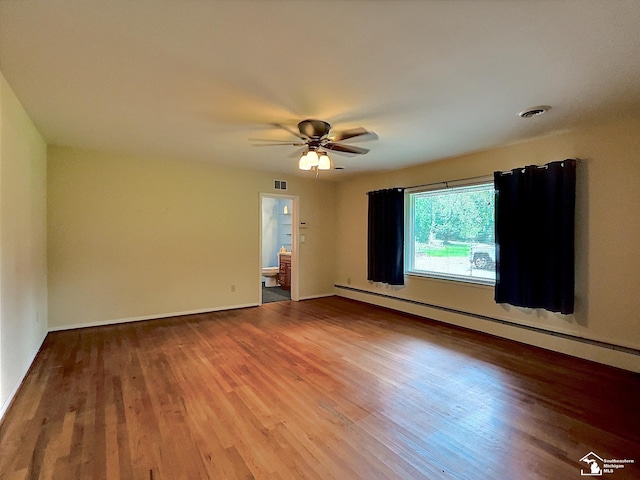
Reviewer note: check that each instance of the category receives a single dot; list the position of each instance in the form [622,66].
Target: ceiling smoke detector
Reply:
[534,111]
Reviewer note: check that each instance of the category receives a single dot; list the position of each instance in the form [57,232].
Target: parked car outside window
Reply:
[482,255]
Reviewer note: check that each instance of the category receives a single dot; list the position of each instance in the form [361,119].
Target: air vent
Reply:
[534,111]
[280,184]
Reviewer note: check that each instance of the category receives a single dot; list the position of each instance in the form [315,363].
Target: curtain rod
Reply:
[446,183]
[479,177]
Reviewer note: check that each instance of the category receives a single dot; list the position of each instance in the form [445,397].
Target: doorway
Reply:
[278,248]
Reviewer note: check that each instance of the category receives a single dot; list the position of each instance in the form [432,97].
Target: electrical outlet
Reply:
[348,281]
[233,288]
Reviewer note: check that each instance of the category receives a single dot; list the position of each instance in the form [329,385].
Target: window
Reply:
[450,233]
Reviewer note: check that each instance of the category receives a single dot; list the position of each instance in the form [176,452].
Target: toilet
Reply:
[270,275]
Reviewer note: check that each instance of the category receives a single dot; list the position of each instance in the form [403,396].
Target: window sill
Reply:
[470,281]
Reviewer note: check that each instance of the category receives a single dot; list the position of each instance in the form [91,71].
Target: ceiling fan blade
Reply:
[271,140]
[336,147]
[360,133]
[294,144]
[298,152]
[290,130]
[277,141]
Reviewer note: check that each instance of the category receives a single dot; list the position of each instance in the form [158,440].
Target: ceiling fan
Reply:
[315,136]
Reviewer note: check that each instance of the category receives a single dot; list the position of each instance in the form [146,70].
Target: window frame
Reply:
[409,267]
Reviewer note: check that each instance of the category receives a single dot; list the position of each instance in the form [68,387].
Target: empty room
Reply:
[322,239]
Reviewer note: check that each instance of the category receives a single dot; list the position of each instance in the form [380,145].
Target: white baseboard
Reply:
[585,349]
[101,323]
[16,387]
[323,295]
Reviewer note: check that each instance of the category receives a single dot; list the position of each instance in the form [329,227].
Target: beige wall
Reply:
[134,238]
[23,294]
[608,231]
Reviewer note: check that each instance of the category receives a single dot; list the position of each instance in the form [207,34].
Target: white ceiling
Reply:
[197,79]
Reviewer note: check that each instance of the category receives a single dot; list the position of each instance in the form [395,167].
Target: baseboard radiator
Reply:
[566,336]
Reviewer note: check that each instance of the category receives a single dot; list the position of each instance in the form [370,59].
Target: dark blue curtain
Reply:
[535,225]
[385,252]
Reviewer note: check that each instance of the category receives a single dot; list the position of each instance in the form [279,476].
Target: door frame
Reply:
[295,235]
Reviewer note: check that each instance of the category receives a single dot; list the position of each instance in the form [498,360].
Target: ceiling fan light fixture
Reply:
[315,136]
[304,164]
[312,158]
[324,162]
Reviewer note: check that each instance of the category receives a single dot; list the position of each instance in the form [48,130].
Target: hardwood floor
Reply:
[326,388]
